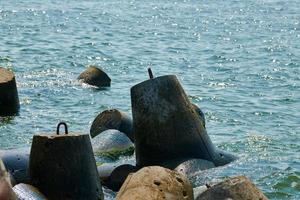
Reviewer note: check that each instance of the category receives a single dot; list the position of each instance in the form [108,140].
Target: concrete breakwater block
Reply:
[200,114]
[113,176]
[6,192]
[64,167]
[112,144]
[156,183]
[28,192]
[95,76]
[237,188]
[194,165]
[9,99]
[166,125]
[112,119]
[16,162]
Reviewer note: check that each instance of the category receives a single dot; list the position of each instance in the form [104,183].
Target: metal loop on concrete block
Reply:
[58,126]
[150,73]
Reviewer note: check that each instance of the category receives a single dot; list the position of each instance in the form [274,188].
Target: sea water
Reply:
[237,60]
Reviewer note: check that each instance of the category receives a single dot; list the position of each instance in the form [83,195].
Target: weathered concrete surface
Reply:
[28,192]
[16,162]
[9,99]
[166,126]
[236,188]
[200,114]
[118,176]
[194,165]
[156,183]
[95,76]
[64,167]
[112,119]
[6,192]
[112,144]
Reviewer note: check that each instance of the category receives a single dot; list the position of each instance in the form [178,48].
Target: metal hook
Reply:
[150,73]
[66,128]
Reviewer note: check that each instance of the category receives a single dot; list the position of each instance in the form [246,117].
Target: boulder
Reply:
[236,188]
[112,119]
[95,76]
[112,144]
[156,183]
[9,99]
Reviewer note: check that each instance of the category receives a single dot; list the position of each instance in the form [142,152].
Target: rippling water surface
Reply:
[238,60]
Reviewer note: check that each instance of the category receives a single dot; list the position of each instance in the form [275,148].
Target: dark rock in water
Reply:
[237,188]
[9,99]
[6,192]
[156,183]
[28,192]
[166,125]
[95,76]
[118,176]
[112,119]
[16,162]
[112,144]
[64,167]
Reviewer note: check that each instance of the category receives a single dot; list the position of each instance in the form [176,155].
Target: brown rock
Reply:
[9,99]
[156,183]
[95,76]
[236,188]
